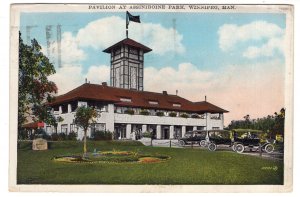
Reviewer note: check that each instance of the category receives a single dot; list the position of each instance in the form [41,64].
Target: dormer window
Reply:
[125,100]
[176,105]
[153,102]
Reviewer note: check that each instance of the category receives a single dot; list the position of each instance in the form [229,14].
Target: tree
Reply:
[53,121]
[279,122]
[84,117]
[270,124]
[34,87]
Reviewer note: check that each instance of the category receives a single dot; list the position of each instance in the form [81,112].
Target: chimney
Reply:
[104,83]
[165,92]
[85,80]
[176,92]
[205,98]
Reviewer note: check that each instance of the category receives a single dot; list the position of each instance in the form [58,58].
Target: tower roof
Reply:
[130,42]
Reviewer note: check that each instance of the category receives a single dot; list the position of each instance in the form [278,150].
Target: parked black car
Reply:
[194,137]
[239,140]
[251,139]
[219,137]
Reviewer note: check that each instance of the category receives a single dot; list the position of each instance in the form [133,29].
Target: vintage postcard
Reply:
[151,98]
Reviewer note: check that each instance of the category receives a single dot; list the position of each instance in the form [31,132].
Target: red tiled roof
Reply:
[130,42]
[138,99]
[33,125]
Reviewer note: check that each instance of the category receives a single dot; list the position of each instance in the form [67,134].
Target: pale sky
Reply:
[236,60]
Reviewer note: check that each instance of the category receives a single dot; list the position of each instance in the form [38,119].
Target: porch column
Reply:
[144,128]
[109,120]
[171,132]
[128,131]
[69,108]
[60,109]
[183,131]
[194,128]
[158,131]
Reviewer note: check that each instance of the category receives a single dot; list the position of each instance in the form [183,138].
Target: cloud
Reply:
[70,76]
[67,78]
[271,35]
[101,34]
[98,74]
[70,52]
[256,89]
[186,78]
[268,49]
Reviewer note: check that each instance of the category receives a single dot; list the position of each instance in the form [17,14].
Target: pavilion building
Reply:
[128,110]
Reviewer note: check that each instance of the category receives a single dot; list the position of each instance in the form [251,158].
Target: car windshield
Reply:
[188,134]
[219,134]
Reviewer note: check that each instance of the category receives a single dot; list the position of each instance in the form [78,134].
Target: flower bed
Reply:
[113,156]
[71,159]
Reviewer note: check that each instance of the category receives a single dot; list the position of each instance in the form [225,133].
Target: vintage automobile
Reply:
[251,139]
[219,137]
[239,140]
[193,137]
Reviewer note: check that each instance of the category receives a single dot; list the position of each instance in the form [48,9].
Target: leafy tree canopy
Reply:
[84,117]
[272,124]
[34,87]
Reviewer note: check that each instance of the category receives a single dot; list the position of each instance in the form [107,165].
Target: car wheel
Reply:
[203,143]
[239,148]
[181,143]
[233,147]
[269,148]
[212,147]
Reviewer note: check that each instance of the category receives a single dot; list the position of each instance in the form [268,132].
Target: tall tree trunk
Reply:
[84,143]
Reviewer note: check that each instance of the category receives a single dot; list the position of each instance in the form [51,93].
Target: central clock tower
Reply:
[127,64]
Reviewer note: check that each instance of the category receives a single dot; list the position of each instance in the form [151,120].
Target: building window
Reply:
[176,105]
[64,128]
[125,99]
[97,127]
[74,128]
[215,128]
[153,102]
[56,108]
[49,130]
[74,105]
[98,106]
[215,116]
[64,108]
[200,127]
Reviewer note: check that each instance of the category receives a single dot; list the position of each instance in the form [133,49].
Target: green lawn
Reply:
[186,166]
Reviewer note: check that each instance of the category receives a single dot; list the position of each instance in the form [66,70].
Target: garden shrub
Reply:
[195,116]
[172,114]
[72,136]
[102,135]
[58,136]
[62,136]
[184,115]
[147,134]
[129,111]
[160,113]
[40,133]
[54,136]
[144,112]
